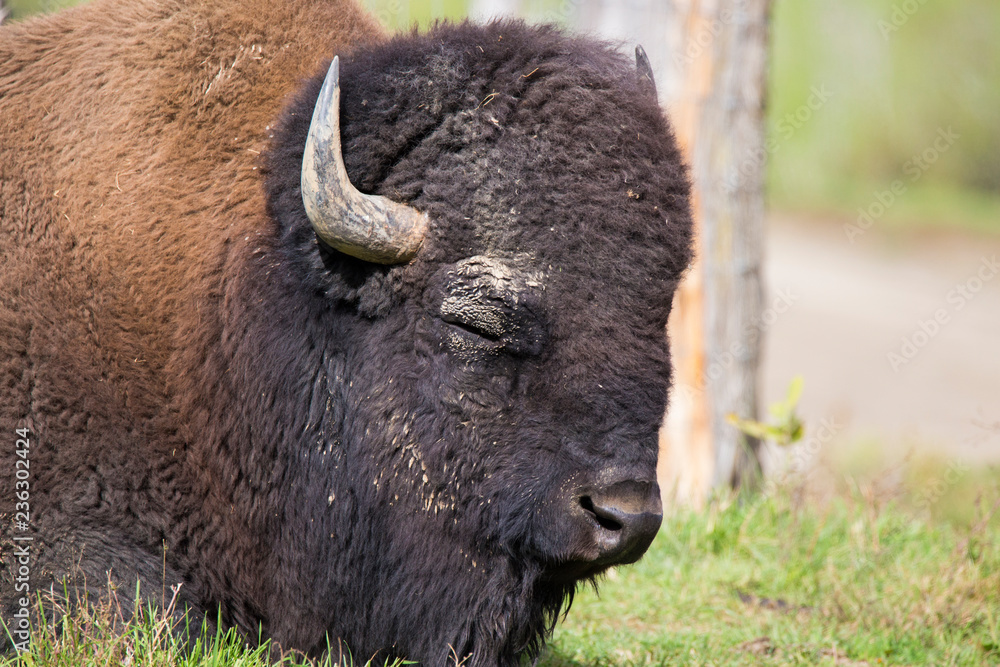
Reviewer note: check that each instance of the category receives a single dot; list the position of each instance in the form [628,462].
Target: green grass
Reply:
[100,636]
[869,573]
[775,581]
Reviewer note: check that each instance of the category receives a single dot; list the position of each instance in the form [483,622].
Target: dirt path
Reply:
[898,338]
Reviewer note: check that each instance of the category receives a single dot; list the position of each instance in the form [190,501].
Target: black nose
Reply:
[623,518]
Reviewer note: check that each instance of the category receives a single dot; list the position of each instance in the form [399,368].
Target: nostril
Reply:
[600,515]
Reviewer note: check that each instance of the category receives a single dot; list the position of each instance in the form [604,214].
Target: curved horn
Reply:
[368,227]
[645,70]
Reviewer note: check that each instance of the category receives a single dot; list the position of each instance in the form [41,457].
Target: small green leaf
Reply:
[786,427]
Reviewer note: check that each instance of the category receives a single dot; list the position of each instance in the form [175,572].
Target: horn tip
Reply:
[645,69]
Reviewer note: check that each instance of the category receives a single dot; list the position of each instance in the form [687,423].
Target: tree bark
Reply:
[728,162]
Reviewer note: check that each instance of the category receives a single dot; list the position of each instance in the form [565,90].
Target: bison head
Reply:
[464,435]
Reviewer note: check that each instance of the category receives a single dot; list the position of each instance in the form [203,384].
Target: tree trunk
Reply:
[728,163]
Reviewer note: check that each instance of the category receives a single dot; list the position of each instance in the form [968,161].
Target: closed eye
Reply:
[487,307]
[474,328]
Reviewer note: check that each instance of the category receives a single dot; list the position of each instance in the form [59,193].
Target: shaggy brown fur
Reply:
[130,143]
[407,457]
[159,117]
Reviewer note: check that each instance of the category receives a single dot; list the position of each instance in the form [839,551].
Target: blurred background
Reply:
[882,287]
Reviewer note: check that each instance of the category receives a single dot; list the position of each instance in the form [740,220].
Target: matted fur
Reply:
[320,454]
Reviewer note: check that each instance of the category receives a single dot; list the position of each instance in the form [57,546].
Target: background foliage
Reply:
[896,78]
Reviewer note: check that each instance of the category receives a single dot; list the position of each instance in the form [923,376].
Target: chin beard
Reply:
[511,617]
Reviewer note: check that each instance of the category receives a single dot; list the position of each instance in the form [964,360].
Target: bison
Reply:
[366,349]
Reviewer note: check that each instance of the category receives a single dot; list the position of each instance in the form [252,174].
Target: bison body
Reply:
[421,459]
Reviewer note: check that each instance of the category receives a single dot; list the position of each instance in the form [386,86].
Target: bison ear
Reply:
[369,227]
[644,71]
